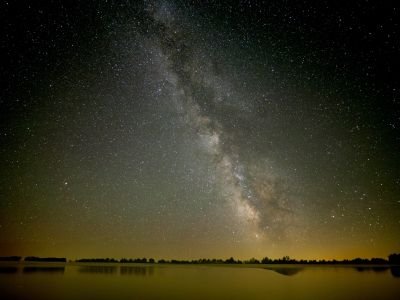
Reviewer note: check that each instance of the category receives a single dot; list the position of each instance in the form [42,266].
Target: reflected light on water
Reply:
[116,281]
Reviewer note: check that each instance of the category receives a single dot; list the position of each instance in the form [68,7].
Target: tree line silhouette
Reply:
[33,259]
[393,259]
[45,259]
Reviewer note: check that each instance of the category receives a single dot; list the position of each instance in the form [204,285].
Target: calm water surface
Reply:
[135,281]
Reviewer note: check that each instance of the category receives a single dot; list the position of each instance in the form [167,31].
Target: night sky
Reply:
[189,129]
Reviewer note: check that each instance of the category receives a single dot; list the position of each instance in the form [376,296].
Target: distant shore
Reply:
[393,260]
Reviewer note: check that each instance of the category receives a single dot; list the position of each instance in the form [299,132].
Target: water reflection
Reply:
[395,271]
[293,270]
[135,270]
[98,269]
[118,270]
[141,281]
[149,270]
[369,269]
[287,271]
[8,270]
[40,269]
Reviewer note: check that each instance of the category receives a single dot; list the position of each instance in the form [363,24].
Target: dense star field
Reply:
[187,129]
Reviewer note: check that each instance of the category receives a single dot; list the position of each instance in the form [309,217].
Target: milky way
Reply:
[256,202]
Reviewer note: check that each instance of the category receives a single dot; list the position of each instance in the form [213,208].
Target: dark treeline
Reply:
[98,260]
[45,259]
[138,260]
[355,261]
[33,259]
[113,260]
[10,258]
[392,259]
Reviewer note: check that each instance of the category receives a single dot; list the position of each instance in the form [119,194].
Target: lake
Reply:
[146,281]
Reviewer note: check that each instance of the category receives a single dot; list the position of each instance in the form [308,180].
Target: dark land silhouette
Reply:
[287,271]
[393,259]
[32,259]
[45,259]
[41,269]
[98,260]
[10,258]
